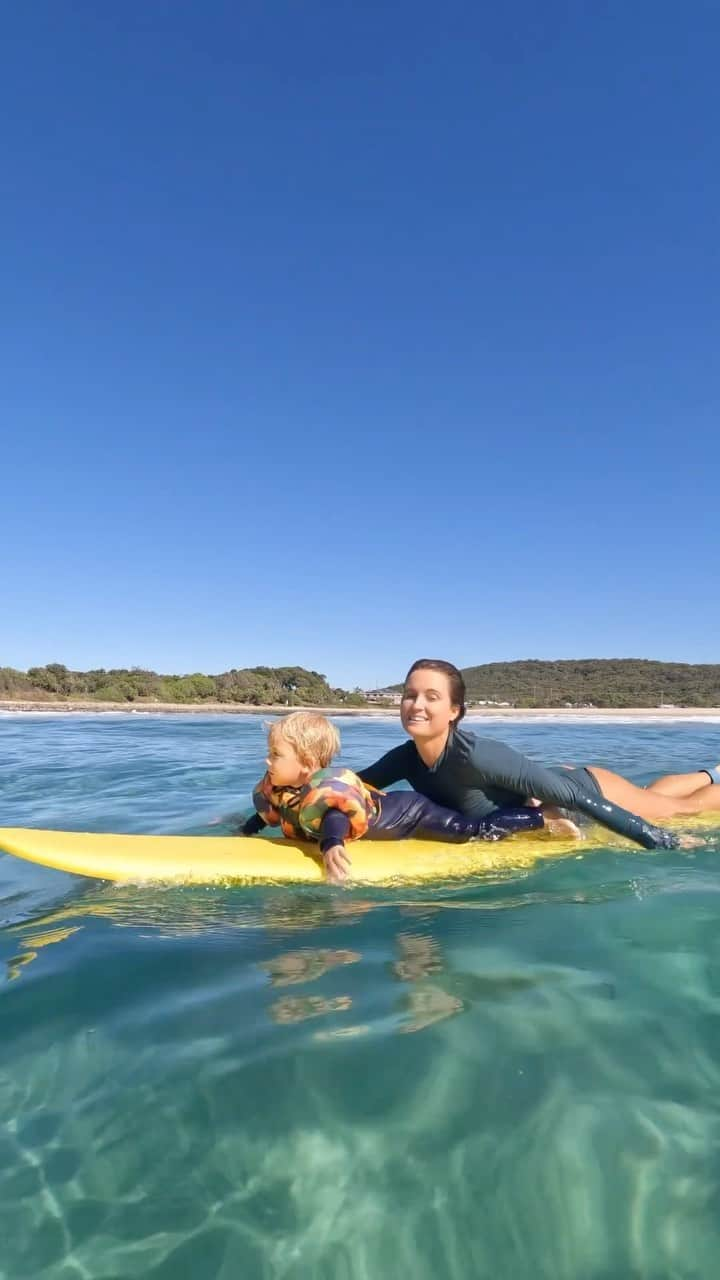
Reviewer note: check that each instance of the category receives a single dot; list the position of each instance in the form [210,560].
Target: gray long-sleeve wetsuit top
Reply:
[478,775]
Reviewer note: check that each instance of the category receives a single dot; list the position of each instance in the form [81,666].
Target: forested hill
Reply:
[257,686]
[600,682]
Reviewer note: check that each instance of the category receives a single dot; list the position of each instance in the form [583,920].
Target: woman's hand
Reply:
[337,863]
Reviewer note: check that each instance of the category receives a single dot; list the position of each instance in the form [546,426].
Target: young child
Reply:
[312,801]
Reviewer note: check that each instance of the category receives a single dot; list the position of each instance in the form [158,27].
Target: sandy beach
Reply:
[236,708]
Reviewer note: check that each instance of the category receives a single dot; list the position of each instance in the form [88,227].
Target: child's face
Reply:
[284,766]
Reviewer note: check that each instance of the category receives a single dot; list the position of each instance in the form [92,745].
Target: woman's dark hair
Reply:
[454,679]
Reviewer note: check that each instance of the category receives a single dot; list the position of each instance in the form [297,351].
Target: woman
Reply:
[474,775]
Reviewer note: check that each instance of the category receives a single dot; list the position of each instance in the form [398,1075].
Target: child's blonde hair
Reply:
[313,738]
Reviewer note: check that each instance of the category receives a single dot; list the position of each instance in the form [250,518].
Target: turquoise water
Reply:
[516,1077]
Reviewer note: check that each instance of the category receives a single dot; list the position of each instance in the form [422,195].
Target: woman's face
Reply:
[426,710]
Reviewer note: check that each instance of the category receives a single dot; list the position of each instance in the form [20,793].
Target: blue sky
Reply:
[338,334]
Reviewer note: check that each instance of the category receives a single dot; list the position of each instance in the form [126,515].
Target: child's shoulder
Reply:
[337,776]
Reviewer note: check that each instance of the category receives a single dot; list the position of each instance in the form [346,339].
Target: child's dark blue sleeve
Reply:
[508,821]
[254,824]
[334,829]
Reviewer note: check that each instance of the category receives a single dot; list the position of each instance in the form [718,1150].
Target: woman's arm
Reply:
[392,767]
[502,766]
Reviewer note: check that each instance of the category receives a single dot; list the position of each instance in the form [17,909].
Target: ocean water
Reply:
[512,1077]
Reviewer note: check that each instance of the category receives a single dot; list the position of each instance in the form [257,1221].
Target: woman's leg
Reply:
[654,805]
[681,784]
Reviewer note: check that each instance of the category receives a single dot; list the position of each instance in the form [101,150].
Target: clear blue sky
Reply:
[338,333]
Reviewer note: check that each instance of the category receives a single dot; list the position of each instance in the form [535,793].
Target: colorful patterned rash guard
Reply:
[299,811]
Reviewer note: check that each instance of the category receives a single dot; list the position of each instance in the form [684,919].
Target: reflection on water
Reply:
[427,1005]
[307,965]
[300,1008]
[34,942]
[196,912]
[418,958]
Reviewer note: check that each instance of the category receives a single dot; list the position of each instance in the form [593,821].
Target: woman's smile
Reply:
[427,710]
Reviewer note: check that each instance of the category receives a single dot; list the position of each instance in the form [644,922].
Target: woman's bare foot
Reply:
[558,825]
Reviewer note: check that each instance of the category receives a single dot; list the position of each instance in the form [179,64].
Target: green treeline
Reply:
[282,686]
[600,682]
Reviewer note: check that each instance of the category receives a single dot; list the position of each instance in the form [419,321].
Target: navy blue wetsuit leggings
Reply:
[407,813]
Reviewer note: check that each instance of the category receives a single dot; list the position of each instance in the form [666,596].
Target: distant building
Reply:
[384,695]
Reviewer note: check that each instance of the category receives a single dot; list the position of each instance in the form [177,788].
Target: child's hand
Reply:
[337,864]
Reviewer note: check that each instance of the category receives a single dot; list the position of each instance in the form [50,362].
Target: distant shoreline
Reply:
[78,706]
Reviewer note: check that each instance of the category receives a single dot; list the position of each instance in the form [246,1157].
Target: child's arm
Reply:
[265,815]
[334,831]
[253,824]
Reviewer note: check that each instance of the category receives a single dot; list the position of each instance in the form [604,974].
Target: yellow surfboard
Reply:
[204,859]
